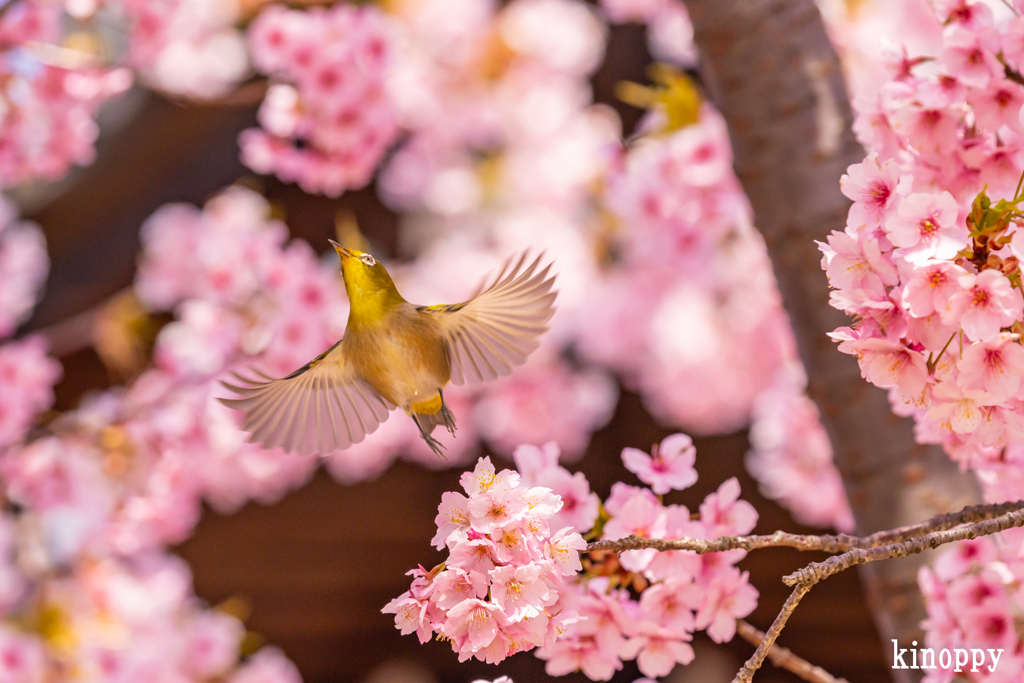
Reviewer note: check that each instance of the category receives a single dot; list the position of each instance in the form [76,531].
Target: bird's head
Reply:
[369,286]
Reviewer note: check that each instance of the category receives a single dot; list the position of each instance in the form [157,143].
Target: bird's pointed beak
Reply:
[342,251]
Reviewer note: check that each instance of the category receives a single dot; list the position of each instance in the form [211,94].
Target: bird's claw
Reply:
[434,444]
[449,419]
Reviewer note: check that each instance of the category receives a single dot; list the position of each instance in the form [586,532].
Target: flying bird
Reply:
[397,354]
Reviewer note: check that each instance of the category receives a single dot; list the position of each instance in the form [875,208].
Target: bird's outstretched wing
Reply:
[498,328]
[322,407]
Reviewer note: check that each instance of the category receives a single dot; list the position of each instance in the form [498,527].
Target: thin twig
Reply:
[784,658]
[746,673]
[831,543]
[819,571]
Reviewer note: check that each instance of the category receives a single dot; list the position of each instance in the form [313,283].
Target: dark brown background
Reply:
[317,567]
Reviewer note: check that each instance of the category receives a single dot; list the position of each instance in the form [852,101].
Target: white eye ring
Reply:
[368,260]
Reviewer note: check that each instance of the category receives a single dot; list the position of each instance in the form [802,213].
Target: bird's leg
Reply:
[446,413]
[434,444]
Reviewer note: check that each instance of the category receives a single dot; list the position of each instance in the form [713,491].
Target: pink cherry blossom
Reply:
[729,597]
[986,303]
[580,506]
[968,55]
[472,625]
[670,465]
[639,515]
[999,104]
[564,549]
[886,364]
[961,409]
[452,516]
[657,650]
[856,263]
[546,400]
[931,288]
[990,625]
[672,603]
[520,591]
[22,657]
[454,585]
[994,366]
[582,653]
[724,514]
[965,556]
[411,615]
[213,643]
[496,508]
[875,190]
[677,563]
[499,590]
[925,227]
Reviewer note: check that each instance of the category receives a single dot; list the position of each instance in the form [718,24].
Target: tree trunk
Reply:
[773,74]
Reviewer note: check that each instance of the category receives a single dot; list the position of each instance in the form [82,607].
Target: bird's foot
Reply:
[449,419]
[446,414]
[434,444]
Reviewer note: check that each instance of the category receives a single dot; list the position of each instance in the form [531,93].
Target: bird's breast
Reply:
[403,360]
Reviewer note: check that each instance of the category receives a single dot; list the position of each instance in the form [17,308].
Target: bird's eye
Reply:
[367,259]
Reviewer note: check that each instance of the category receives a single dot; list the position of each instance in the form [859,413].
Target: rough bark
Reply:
[771,71]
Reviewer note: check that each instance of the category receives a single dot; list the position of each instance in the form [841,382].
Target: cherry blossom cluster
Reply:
[791,455]
[62,59]
[93,496]
[183,47]
[27,374]
[494,594]
[928,262]
[677,310]
[83,622]
[327,118]
[680,592]
[49,95]
[127,471]
[117,620]
[717,322]
[509,585]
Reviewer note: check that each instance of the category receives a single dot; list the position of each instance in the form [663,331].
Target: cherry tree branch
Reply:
[746,673]
[971,522]
[819,571]
[830,543]
[804,579]
[784,658]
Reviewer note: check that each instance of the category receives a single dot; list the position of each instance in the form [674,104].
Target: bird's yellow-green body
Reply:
[397,354]
[401,354]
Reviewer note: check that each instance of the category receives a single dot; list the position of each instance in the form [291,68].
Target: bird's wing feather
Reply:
[322,407]
[497,329]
